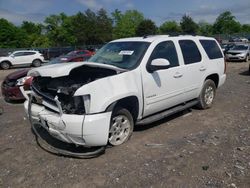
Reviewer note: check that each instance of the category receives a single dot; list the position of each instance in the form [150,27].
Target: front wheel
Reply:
[121,126]
[207,94]
[5,65]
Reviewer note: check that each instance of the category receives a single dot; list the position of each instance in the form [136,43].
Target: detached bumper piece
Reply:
[53,146]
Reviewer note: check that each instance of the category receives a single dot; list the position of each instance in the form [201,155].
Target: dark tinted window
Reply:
[166,50]
[190,51]
[28,53]
[19,54]
[211,48]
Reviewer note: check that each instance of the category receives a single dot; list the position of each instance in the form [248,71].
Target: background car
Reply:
[22,58]
[238,52]
[12,83]
[226,47]
[10,86]
[77,55]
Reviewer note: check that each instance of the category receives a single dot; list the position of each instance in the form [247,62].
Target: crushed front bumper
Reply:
[84,130]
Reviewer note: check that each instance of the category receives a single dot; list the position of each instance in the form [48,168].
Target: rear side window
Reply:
[190,51]
[29,53]
[212,49]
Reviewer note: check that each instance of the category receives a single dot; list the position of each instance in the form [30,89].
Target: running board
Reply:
[167,113]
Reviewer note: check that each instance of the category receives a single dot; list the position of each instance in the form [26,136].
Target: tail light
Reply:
[225,65]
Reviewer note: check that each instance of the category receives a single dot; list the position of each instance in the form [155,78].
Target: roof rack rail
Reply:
[147,36]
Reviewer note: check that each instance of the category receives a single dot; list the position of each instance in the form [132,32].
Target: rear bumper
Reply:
[85,130]
[222,80]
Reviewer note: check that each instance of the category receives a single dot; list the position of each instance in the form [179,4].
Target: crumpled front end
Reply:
[53,105]
[85,130]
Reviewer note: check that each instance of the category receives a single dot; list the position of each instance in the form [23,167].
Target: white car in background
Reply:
[21,58]
[238,52]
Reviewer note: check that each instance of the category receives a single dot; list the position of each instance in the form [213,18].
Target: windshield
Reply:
[125,55]
[240,47]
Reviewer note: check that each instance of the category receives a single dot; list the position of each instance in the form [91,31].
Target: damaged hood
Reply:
[64,69]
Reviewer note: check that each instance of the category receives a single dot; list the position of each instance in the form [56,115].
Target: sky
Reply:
[159,11]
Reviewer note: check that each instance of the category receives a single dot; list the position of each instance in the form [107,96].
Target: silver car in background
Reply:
[239,52]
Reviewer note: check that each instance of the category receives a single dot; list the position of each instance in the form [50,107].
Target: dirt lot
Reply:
[195,148]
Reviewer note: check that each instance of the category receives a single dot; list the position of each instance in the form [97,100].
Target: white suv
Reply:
[21,58]
[129,81]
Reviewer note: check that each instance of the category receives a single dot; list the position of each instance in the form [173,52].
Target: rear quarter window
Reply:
[212,49]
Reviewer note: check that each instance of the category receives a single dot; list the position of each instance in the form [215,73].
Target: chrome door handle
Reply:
[203,68]
[178,75]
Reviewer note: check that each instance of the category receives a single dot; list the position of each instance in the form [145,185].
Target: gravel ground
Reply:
[196,148]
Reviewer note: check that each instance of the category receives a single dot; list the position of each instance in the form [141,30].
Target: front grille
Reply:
[44,97]
[233,53]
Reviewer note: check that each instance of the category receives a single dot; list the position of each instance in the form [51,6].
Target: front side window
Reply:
[212,49]
[166,50]
[18,54]
[190,51]
[125,55]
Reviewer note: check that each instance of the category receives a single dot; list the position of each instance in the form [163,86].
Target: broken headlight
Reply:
[86,101]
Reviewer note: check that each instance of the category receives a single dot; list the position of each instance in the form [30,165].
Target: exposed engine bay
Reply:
[64,87]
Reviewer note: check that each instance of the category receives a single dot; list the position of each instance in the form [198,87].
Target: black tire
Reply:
[207,94]
[121,126]
[36,63]
[5,65]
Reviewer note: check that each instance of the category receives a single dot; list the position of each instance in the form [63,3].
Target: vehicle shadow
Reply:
[144,127]
[245,73]
[14,101]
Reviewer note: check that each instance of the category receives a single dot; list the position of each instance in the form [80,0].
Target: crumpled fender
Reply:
[105,91]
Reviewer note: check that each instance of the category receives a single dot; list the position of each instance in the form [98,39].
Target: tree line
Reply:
[89,28]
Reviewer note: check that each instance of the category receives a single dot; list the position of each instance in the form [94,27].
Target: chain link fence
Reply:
[50,53]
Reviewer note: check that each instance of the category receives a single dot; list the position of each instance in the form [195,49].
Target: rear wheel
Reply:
[5,65]
[121,126]
[36,63]
[207,94]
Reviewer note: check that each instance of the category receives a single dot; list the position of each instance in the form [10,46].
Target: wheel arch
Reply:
[7,61]
[214,78]
[131,103]
[37,59]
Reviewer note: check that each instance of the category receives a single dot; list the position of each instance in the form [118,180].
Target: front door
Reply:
[163,88]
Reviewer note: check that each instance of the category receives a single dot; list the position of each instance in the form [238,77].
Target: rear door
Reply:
[194,68]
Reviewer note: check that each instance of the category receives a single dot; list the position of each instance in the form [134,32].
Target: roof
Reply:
[152,38]
[25,51]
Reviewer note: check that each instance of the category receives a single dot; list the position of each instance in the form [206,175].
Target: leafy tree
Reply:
[126,23]
[188,26]
[58,29]
[146,27]
[245,28]
[169,27]
[10,35]
[205,29]
[104,27]
[31,28]
[225,23]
